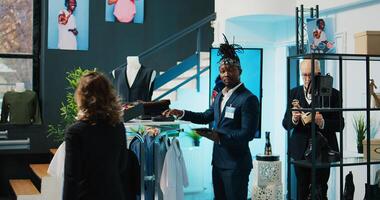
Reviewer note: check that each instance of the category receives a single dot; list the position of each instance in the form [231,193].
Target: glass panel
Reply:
[16,26]
[13,71]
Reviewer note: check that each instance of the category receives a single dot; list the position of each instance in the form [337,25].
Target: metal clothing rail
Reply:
[169,132]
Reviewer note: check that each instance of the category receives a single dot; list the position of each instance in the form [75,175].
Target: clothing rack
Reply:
[167,130]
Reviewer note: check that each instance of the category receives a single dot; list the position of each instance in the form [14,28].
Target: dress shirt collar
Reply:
[227,92]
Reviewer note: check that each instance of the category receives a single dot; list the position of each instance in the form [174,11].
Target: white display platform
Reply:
[267,180]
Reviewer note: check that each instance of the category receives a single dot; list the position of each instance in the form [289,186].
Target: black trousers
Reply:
[230,184]
[304,180]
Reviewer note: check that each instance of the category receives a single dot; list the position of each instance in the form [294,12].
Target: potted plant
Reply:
[195,136]
[360,128]
[68,110]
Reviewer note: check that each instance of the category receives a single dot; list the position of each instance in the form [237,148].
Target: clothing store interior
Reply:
[193,100]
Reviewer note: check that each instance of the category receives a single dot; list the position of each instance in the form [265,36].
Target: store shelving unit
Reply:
[313,164]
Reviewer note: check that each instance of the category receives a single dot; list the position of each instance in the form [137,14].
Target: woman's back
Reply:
[95,159]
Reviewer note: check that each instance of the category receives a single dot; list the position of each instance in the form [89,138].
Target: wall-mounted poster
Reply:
[68,24]
[125,11]
[320,33]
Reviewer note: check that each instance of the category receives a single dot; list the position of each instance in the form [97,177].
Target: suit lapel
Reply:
[218,101]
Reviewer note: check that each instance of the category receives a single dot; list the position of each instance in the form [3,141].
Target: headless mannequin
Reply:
[20,87]
[133,67]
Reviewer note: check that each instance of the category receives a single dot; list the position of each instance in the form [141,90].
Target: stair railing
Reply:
[186,64]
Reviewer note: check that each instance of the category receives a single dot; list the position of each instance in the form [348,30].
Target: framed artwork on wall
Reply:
[125,11]
[68,24]
[320,33]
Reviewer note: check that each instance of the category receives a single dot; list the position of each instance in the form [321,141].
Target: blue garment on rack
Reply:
[149,162]
[160,153]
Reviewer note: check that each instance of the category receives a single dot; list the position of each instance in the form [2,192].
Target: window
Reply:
[19,46]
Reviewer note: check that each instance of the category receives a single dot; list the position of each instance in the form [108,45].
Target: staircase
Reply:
[192,84]
[47,186]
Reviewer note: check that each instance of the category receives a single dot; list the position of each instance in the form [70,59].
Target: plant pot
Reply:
[196,143]
[360,148]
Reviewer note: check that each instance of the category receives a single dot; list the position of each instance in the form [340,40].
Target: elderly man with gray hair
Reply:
[326,123]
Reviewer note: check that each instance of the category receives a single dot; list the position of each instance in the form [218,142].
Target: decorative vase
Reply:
[196,143]
[360,148]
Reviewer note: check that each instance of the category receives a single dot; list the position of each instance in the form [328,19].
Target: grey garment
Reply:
[159,152]
[377,178]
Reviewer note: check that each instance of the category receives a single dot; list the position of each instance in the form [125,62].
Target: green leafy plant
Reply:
[195,136]
[68,109]
[360,128]
[139,130]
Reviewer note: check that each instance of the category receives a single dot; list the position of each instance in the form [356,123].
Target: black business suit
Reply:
[231,160]
[95,160]
[334,122]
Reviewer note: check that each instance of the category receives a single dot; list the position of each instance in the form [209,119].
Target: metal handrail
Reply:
[188,63]
[182,83]
[175,71]
[178,35]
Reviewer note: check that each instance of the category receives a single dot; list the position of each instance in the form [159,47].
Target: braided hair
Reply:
[228,53]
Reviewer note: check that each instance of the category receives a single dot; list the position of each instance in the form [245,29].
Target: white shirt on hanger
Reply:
[174,175]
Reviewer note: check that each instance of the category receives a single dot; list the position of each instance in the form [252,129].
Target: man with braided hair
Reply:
[235,113]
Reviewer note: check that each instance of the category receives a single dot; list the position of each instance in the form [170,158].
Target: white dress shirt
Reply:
[226,95]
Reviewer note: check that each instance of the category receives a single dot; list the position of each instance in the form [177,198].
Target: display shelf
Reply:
[354,57]
[346,162]
[335,109]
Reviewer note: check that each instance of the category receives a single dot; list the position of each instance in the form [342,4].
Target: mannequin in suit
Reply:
[134,81]
[235,113]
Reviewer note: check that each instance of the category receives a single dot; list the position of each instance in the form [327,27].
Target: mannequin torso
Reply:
[133,67]
[133,81]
